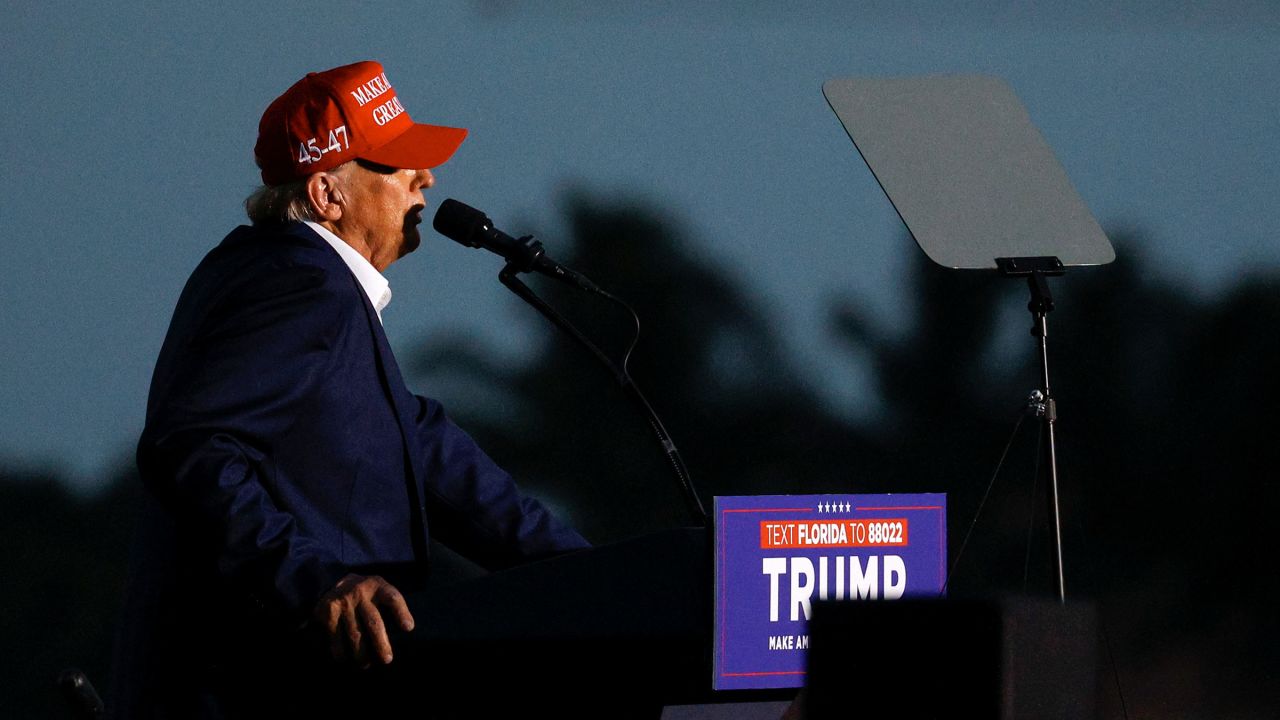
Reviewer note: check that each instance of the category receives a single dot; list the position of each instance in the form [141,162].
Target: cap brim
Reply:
[421,146]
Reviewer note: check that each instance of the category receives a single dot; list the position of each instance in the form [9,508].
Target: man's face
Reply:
[382,208]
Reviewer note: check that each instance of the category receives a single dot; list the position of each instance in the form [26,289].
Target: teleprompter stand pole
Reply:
[1037,270]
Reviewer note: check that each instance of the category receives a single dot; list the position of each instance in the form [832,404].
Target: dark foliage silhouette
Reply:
[1167,475]
[64,572]
[1167,461]
[707,360]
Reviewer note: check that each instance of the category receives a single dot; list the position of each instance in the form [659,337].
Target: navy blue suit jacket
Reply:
[285,451]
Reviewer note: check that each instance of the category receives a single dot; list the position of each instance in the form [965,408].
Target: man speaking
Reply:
[296,481]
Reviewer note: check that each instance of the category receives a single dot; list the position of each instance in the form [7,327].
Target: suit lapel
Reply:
[402,401]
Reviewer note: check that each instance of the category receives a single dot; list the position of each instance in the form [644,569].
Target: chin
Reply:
[411,243]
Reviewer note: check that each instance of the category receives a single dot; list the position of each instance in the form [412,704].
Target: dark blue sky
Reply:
[128,131]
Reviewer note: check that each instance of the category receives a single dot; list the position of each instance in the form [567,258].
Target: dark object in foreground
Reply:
[81,698]
[614,631]
[1018,658]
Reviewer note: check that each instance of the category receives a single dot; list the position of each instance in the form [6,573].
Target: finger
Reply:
[329,615]
[354,638]
[375,631]
[391,599]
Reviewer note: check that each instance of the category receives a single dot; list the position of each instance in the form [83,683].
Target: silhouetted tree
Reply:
[1167,475]
[708,362]
[1175,482]
[1166,455]
[64,573]
[1167,471]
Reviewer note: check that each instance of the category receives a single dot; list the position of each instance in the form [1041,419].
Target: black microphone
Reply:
[466,225]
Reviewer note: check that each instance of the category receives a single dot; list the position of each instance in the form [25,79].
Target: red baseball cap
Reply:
[349,112]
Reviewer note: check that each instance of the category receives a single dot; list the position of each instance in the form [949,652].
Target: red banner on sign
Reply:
[887,532]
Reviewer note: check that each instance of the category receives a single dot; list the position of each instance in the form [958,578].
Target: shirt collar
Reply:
[374,285]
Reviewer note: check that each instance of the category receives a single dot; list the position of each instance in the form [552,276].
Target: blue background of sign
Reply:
[743,659]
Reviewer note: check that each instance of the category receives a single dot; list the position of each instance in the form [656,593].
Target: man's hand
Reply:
[350,617]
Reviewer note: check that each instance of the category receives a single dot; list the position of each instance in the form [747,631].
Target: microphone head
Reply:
[460,222]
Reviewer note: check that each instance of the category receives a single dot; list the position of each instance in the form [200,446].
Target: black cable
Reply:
[635,339]
[513,283]
[977,513]
[1115,668]
[1082,540]
[664,437]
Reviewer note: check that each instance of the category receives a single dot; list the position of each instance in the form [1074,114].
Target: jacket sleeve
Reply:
[474,506]
[229,380]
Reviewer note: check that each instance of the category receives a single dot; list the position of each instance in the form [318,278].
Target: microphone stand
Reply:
[508,278]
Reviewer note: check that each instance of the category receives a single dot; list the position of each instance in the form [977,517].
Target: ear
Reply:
[324,196]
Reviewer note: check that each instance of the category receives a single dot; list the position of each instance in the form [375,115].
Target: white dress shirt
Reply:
[375,286]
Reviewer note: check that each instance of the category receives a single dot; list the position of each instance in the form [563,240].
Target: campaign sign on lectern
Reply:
[776,554]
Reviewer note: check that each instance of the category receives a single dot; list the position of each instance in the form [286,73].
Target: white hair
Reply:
[287,202]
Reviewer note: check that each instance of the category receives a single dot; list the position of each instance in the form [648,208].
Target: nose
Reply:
[425,179]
